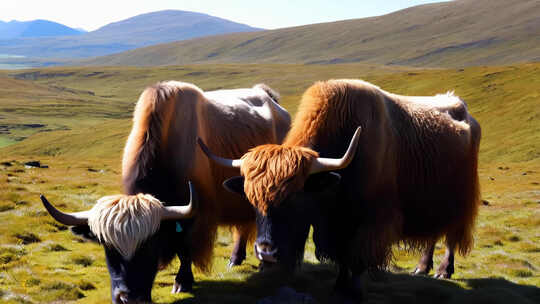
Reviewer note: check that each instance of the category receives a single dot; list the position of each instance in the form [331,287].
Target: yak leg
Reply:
[359,285]
[446,268]
[426,261]
[350,285]
[343,279]
[241,235]
[184,278]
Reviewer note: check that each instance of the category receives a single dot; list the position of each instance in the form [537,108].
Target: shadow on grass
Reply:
[314,279]
[405,288]
[318,281]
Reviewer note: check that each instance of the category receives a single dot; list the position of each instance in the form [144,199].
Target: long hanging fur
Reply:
[325,111]
[272,172]
[125,221]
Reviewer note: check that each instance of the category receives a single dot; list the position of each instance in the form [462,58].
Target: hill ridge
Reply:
[446,34]
[35,28]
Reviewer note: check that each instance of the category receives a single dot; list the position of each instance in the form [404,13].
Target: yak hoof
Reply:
[236,261]
[178,288]
[419,271]
[442,275]
[232,264]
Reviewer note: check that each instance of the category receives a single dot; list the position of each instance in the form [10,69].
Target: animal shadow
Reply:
[317,280]
[405,288]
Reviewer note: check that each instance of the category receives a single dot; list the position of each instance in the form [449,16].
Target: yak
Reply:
[159,159]
[409,177]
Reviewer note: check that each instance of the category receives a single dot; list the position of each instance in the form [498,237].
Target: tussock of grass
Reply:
[522,273]
[56,247]
[85,285]
[84,261]
[6,207]
[55,226]
[32,282]
[6,257]
[514,238]
[26,238]
[61,291]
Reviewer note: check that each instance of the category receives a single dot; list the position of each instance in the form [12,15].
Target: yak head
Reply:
[134,231]
[290,188]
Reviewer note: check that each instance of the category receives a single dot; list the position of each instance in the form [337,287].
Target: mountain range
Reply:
[139,31]
[36,28]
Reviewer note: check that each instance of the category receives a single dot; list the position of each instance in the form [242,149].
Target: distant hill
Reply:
[168,25]
[36,28]
[138,31]
[447,34]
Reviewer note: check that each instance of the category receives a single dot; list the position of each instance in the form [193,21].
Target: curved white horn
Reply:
[182,212]
[226,162]
[70,219]
[328,164]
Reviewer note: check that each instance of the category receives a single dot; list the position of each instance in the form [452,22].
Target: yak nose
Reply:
[123,298]
[265,251]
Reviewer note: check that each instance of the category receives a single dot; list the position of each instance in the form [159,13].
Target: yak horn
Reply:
[182,212]
[69,219]
[328,164]
[226,162]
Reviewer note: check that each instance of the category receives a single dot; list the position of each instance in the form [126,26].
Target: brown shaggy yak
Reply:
[409,177]
[160,157]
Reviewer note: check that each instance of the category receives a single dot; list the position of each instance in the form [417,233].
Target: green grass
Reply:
[41,261]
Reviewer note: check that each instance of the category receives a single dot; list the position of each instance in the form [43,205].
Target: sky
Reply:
[93,14]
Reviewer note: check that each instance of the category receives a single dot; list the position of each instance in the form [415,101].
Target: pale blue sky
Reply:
[92,14]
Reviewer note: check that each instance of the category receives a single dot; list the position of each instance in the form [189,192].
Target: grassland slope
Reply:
[504,99]
[449,34]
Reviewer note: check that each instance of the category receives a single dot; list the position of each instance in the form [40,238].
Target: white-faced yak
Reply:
[139,232]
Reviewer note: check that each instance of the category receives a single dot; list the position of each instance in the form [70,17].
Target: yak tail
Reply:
[465,242]
[463,234]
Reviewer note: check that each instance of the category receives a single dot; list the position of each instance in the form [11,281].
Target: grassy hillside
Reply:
[75,98]
[450,34]
[85,113]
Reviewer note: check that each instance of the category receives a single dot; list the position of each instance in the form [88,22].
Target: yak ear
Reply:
[235,184]
[84,232]
[322,181]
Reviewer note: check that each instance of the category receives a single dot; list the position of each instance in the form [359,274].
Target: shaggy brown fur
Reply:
[273,172]
[161,155]
[414,177]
